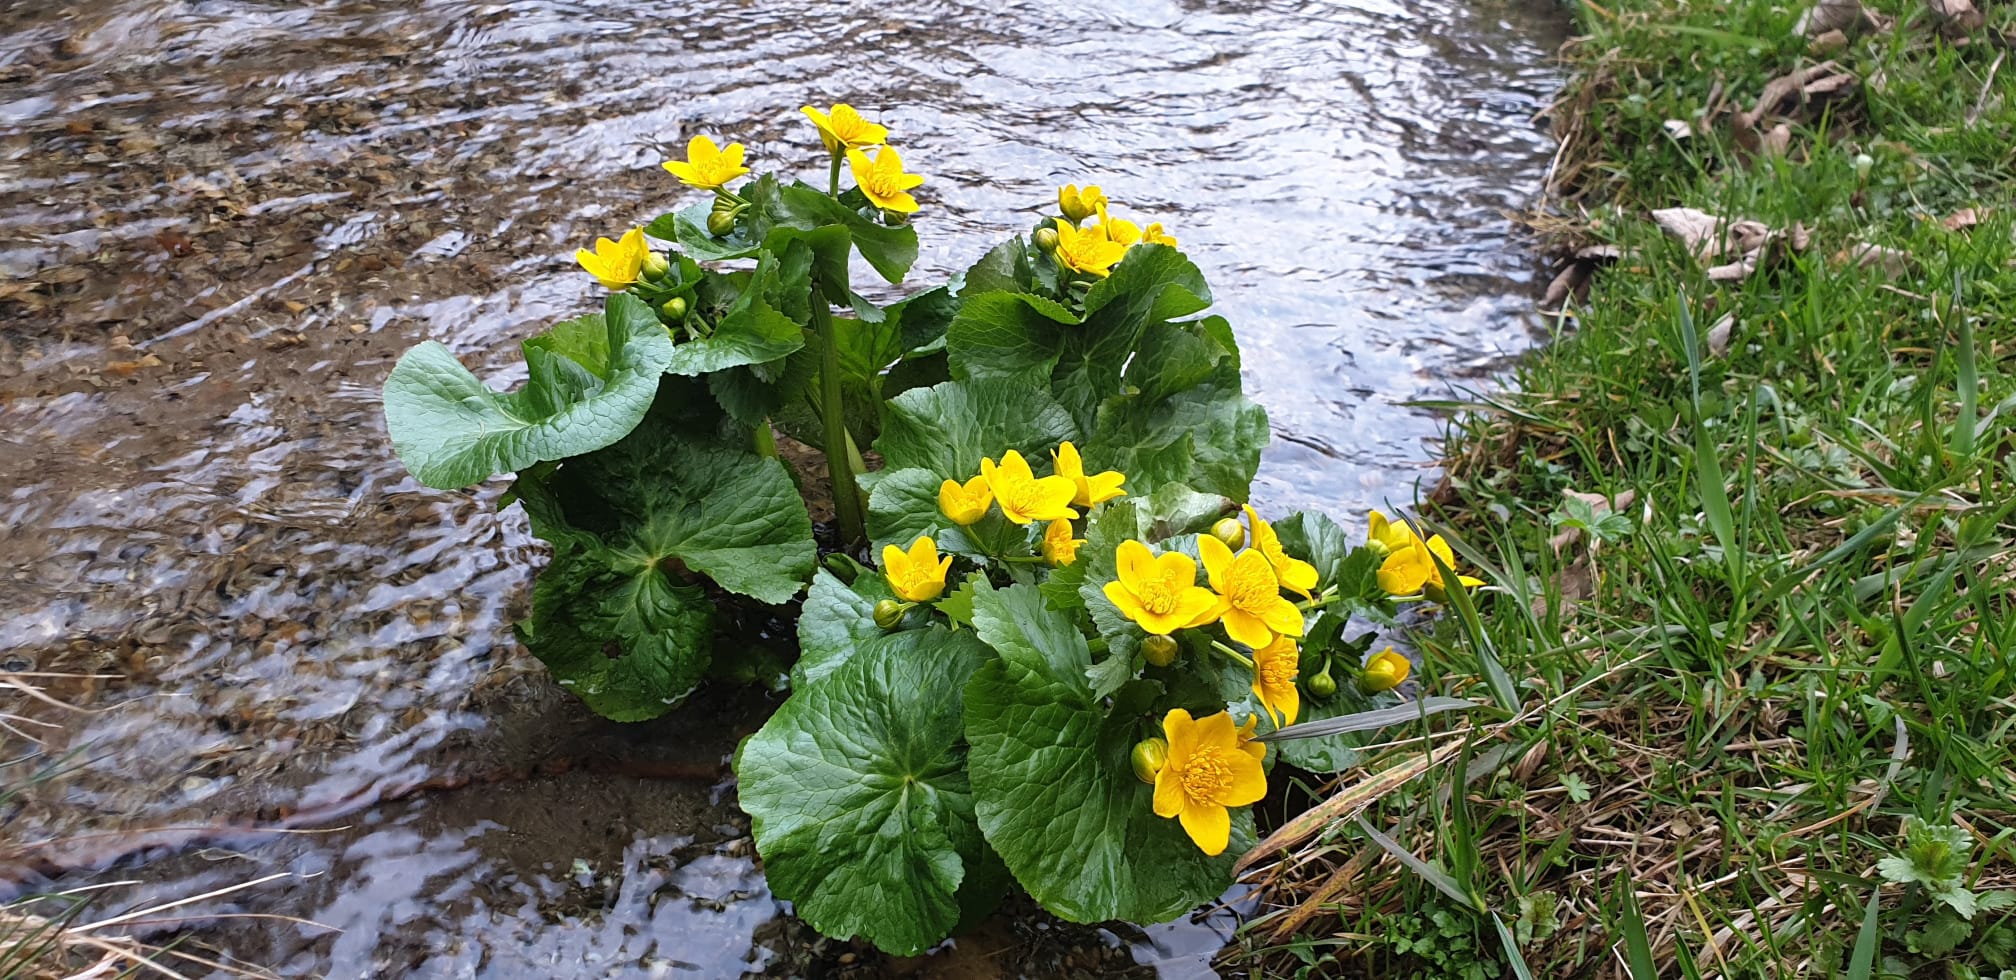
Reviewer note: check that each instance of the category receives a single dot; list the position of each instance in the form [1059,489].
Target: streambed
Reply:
[221,220]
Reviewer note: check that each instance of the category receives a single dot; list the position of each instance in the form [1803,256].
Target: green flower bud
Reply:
[1160,650]
[721,223]
[1321,686]
[655,266]
[1149,756]
[675,307]
[1230,531]
[1046,239]
[888,613]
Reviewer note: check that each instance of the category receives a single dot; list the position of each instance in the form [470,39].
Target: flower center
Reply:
[1277,671]
[1158,598]
[1025,499]
[880,183]
[1251,592]
[1206,776]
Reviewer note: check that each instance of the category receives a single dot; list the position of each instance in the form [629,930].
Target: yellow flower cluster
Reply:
[1160,593]
[1026,498]
[1408,568]
[1096,248]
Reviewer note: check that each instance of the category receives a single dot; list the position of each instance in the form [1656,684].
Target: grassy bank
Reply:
[1751,526]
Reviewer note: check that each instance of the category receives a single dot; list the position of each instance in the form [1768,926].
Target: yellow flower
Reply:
[918,576]
[1023,497]
[1154,235]
[1384,671]
[707,166]
[1258,750]
[1385,538]
[965,504]
[1059,547]
[1117,230]
[1091,489]
[1160,592]
[883,180]
[1295,574]
[1409,570]
[843,126]
[615,263]
[1274,668]
[1207,771]
[1087,251]
[1255,611]
[1078,205]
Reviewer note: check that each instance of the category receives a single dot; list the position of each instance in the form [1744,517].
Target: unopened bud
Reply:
[655,266]
[1322,685]
[888,613]
[1160,650]
[1046,239]
[1230,531]
[1149,756]
[675,307]
[1384,672]
[720,223]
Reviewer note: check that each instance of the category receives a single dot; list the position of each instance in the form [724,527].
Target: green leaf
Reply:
[1008,335]
[1208,437]
[753,331]
[629,645]
[1318,540]
[658,501]
[1053,785]
[837,620]
[452,431]
[859,797]
[949,428]
[889,250]
[1004,268]
[1152,284]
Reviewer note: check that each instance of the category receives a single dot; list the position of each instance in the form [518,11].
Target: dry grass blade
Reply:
[1342,804]
[56,947]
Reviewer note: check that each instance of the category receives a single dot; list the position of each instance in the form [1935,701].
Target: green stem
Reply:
[1234,654]
[833,176]
[839,469]
[1311,605]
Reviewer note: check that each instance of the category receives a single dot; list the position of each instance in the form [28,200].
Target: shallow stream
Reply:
[221,221]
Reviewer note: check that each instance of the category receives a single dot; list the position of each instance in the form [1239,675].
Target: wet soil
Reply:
[221,221]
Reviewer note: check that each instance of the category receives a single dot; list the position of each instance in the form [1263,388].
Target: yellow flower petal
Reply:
[882,179]
[1209,826]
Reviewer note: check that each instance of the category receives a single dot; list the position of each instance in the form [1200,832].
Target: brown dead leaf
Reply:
[1827,42]
[1891,262]
[1748,243]
[1963,219]
[1844,17]
[1956,17]
[1572,282]
[1718,335]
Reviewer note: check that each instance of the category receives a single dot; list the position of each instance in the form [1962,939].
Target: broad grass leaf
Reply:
[452,431]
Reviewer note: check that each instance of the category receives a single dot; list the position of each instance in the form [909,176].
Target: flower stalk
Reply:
[839,463]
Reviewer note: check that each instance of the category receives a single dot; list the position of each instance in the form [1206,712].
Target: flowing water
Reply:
[221,221]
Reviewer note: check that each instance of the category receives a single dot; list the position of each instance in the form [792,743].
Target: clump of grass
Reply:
[1756,589]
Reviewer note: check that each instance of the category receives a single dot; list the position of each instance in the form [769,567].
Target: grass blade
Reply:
[1441,879]
[1863,962]
[1367,720]
[1512,955]
[1637,947]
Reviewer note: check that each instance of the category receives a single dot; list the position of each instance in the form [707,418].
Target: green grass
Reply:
[1800,631]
